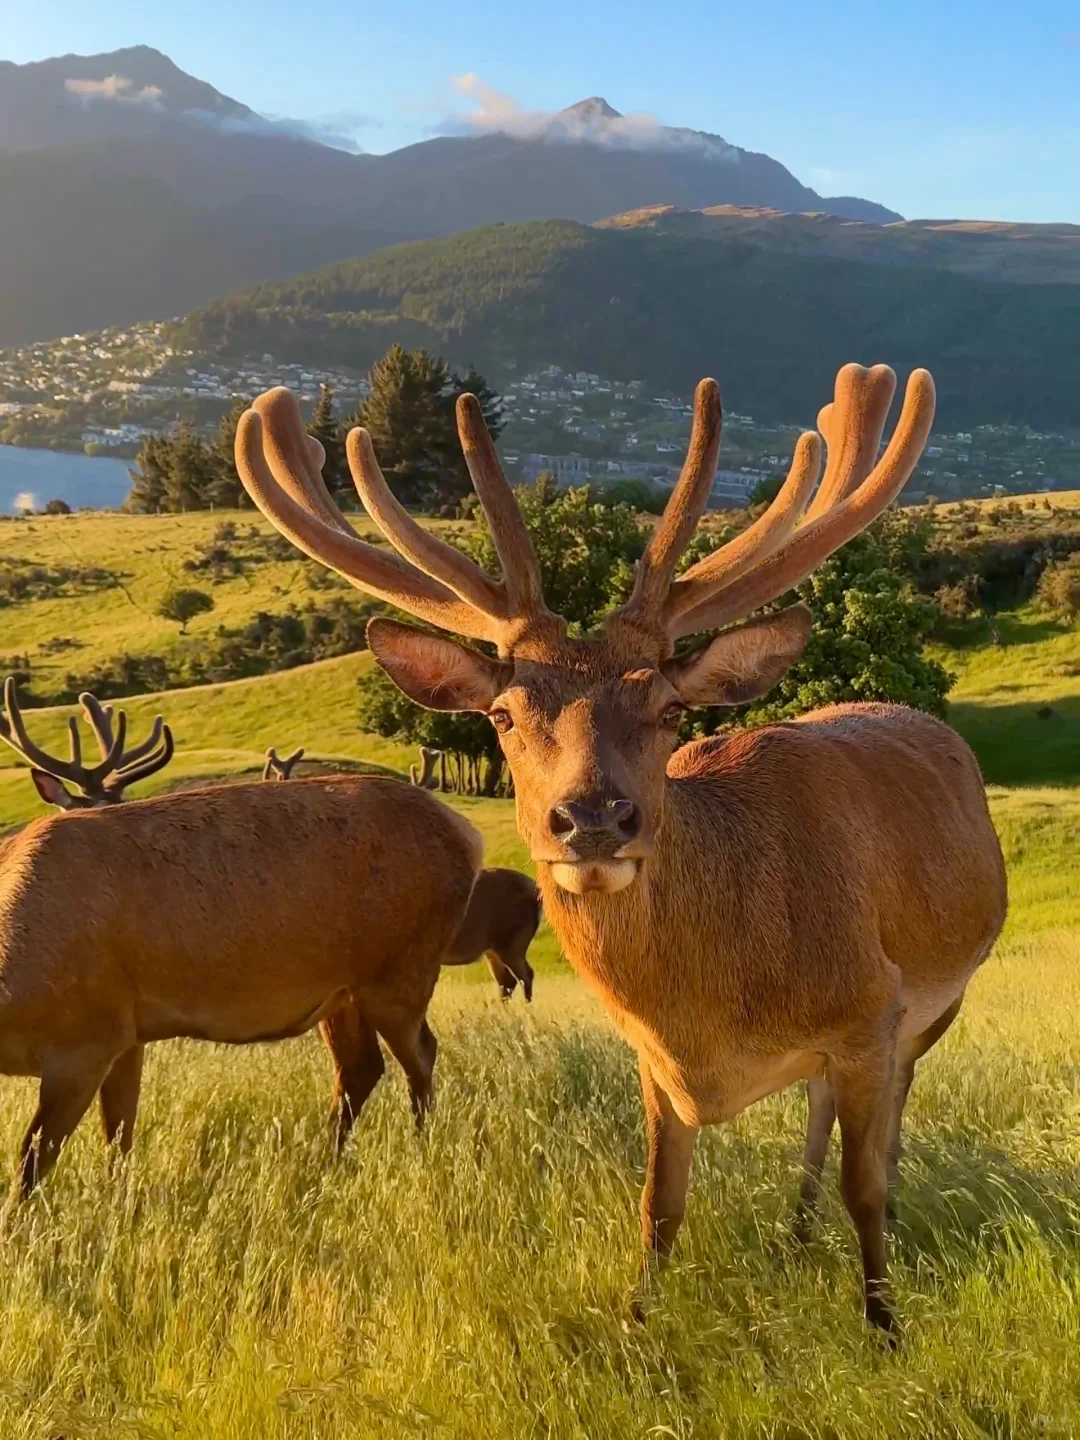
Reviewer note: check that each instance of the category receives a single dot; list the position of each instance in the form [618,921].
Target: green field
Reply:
[232,1281]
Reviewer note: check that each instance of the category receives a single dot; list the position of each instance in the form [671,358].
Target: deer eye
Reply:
[673,714]
[502,720]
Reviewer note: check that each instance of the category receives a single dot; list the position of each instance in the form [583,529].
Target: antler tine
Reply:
[683,510]
[75,740]
[296,458]
[381,573]
[13,732]
[761,538]
[272,763]
[130,774]
[852,425]
[131,757]
[291,760]
[427,552]
[110,744]
[99,718]
[818,538]
[521,572]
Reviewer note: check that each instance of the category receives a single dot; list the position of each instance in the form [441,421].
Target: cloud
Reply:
[26,502]
[590,123]
[116,88]
[338,130]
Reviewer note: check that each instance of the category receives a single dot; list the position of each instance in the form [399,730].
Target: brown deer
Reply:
[95,785]
[800,901]
[500,923]
[192,915]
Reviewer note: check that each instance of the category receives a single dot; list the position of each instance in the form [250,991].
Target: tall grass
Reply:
[232,1281]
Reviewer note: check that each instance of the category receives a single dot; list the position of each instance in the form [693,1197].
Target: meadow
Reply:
[231,1280]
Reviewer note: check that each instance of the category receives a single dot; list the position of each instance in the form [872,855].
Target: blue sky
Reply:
[950,108]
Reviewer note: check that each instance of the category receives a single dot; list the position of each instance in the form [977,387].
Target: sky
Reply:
[960,108]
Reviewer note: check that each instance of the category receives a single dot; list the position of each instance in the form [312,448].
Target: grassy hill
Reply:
[667,307]
[231,1279]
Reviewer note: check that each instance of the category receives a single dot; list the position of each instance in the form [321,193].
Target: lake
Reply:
[28,478]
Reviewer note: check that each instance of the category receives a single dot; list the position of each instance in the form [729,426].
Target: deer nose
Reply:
[594,818]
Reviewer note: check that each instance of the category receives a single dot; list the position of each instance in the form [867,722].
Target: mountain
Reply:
[639,302]
[133,190]
[990,249]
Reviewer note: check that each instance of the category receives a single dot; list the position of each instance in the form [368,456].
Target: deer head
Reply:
[95,785]
[277,768]
[588,725]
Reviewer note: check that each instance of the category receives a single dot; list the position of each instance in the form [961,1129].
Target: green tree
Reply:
[181,605]
[870,626]
[410,417]
[223,487]
[766,490]
[324,427]
[149,475]
[190,471]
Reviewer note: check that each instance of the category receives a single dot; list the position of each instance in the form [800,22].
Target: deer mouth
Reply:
[603,875]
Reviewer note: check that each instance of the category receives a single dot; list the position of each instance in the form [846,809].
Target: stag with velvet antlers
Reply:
[804,901]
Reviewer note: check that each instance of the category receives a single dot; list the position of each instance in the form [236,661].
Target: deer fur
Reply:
[807,901]
[500,924]
[236,914]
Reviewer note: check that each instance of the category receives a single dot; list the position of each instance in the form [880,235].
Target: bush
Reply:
[1058,590]
[57,507]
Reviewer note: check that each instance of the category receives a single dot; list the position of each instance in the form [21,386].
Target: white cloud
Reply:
[493,111]
[338,130]
[113,87]
[25,502]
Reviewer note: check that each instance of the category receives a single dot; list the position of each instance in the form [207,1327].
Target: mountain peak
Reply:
[594,108]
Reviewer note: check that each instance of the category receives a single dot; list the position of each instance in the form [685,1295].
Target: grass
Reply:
[231,1280]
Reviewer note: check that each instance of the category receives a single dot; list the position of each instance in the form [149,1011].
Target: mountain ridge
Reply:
[134,114]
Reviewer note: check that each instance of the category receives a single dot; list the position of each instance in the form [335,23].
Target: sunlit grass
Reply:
[233,1281]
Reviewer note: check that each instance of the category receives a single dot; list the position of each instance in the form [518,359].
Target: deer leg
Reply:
[667,1170]
[413,1046]
[119,1098]
[865,1090]
[822,1117]
[358,1065]
[68,1084]
[914,1050]
[508,967]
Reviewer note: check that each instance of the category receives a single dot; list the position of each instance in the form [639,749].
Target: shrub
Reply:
[1058,590]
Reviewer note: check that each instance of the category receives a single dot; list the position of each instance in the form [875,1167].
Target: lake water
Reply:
[28,478]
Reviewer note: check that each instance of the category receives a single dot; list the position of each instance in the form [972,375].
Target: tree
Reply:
[766,490]
[182,605]
[324,427]
[147,495]
[870,626]
[223,484]
[57,507]
[409,415]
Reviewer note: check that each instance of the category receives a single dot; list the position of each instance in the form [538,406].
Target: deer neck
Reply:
[625,944]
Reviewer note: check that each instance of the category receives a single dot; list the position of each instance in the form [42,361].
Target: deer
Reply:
[500,925]
[177,916]
[95,786]
[803,901]
[279,767]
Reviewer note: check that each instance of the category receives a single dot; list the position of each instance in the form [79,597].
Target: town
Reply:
[102,394]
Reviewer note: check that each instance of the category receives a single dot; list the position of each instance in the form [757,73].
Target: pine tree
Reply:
[410,417]
[149,475]
[190,472]
[323,426]
[223,488]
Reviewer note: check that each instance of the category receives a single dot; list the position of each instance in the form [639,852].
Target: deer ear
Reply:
[52,790]
[744,662]
[436,672]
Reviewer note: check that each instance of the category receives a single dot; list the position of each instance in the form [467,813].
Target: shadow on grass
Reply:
[1024,743]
